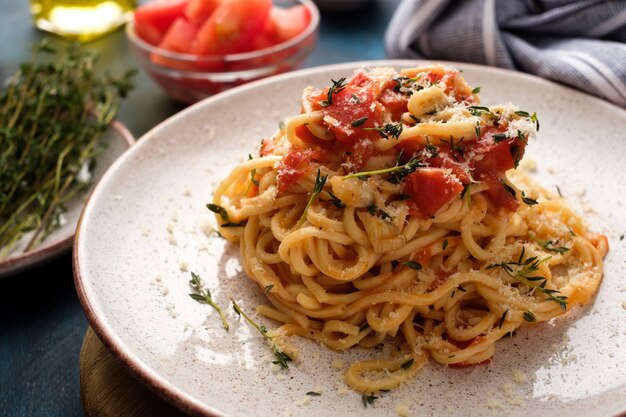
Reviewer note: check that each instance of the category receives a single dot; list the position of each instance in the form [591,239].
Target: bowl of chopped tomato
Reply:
[196,48]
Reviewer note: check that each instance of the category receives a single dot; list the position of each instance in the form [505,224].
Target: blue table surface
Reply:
[42,323]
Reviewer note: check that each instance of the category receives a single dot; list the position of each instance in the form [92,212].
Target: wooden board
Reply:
[107,389]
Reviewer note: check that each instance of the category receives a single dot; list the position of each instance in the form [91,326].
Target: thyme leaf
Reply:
[202,295]
[317,189]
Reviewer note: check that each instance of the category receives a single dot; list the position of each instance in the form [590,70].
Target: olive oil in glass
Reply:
[83,20]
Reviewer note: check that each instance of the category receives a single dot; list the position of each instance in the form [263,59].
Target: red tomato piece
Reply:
[444,160]
[355,111]
[430,189]
[502,155]
[180,36]
[294,165]
[232,27]
[289,23]
[152,20]
[497,192]
[197,11]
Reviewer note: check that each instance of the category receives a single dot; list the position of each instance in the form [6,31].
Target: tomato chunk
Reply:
[295,165]
[497,192]
[430,189]
[289,23]
[152,20]
[354,111]
[500,154]
[197,11]
[232,27]
[180,36]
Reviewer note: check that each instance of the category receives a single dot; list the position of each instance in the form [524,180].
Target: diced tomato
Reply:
[232,27]
[355,111]
[305,135]
[446,161]
[430,189]
[180,36]
[152,20]
[496,191]
[197,11]
[394,102]
[502,155]
[289,23]
[295,165]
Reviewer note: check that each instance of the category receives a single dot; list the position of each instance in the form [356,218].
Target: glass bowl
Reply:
[190,78]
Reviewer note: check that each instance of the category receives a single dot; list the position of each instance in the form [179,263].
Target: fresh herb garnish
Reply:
[53,114]
[378,212]
[224,215]
[476,90]
[533,117]
[528,201]
[393,130]
[432,150]
[358,122]
[281,357]
[529,316]
[313,393]
[499,137]
[466,192]
[335,200]
[413,265]
[461,288]
[558,190]
[281,125]
[400,170]
[204,296]
[407,364]
[526,267]
[503,318]
[551,246]
[509,189]
[445,244]
[356,99]
[317,189]
[479,110]
[335,88]
[455,147]
[268,288]
[368,399]
[477,129]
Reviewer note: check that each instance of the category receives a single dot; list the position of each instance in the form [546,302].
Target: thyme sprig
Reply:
[388,130]
[368,399]
[532,117]
[202,295]
[53,113]
[523,273]
[337,86]
[402,170]
[281,357]
[317,189]
[221,211]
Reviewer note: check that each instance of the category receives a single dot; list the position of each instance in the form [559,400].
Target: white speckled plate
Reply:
[146,224]
[119,139]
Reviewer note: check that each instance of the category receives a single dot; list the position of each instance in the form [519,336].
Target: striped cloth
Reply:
[581,43]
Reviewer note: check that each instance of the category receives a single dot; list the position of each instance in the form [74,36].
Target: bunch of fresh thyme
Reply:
[52,115]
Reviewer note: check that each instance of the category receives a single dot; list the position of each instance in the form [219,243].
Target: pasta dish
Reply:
[390,211]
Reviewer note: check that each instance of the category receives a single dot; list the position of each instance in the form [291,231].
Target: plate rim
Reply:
[49,250]
[150,377]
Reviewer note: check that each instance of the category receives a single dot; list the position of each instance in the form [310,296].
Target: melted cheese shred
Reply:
[345,277]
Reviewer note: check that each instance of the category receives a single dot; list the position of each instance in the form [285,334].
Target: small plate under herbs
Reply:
[117,139]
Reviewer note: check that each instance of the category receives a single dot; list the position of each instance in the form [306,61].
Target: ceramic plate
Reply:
[61,239]
[146,227]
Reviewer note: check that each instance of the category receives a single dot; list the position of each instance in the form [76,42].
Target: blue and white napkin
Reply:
[581,43]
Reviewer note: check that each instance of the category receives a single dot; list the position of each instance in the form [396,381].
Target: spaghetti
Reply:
[382,212]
